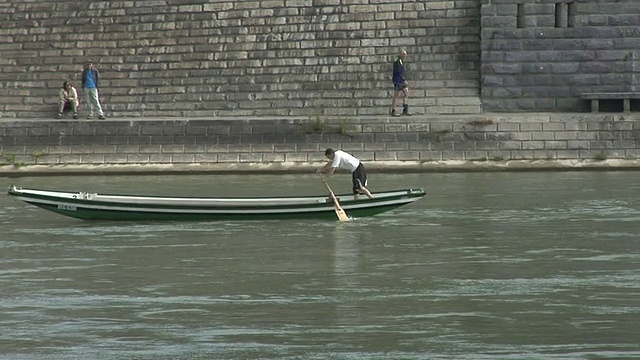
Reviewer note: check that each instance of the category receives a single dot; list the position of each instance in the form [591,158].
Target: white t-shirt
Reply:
[342,160]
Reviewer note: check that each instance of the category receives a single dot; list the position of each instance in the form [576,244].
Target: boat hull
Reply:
[93,206]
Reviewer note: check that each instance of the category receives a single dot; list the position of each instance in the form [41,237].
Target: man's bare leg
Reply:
[394,101]
[364,190]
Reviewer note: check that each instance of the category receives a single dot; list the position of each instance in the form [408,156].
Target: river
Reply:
[531,265]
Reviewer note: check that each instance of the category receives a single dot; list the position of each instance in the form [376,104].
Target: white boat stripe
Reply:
[216,211]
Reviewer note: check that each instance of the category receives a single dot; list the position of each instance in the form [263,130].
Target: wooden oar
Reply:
[339,211]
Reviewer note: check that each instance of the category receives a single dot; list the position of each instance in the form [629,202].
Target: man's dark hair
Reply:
[329,152]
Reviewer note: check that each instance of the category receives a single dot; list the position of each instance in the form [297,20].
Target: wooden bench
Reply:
[624,96]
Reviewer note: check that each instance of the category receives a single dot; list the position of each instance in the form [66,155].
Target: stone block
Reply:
[228,158]
[350,146]
[427,156]
[520,136]
[511,145]
[375,146]
[475,155]
[575,126]
[182,158]
[599,126]
[195,149]
[125,149]
[385,156]
[545,135]
[553,126]
[251,158]
[108,159]
[565,135]
[182,139]
[158,158]
[157,140]
[578,144]
[385,137]
[442,146]
[464,145]
[498,136]
[137,158]
[295,157]
[408,155]
[453,155]
[217,148]
[239,148]
[229,139]
[533,145]
[271,157]
[397,146]
[172,149]
[587,135]
[521,154]
[555,145]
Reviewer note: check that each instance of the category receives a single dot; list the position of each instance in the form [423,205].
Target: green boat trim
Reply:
[94,206]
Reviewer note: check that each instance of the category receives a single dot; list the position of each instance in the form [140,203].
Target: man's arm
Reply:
[327,169]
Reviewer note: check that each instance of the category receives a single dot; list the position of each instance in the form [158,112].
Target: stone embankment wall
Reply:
[542,55]
[290,143]
[208,58]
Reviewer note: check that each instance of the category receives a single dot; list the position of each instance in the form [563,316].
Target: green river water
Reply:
[487,266]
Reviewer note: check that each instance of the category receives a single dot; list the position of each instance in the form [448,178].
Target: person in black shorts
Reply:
[400,85]
[339,159]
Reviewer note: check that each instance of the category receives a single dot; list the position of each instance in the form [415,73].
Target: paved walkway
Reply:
[496,117]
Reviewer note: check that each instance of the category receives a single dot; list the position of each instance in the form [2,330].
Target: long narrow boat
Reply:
[93,206]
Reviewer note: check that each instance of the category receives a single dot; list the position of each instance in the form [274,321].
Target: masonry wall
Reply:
[541,55]
[211,58]
[216,58]
[299,141]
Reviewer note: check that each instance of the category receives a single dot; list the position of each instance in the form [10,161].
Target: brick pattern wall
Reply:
[542,55]
[272,141]
[240,58]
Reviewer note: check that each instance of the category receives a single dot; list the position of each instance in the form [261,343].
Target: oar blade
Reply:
[342,216]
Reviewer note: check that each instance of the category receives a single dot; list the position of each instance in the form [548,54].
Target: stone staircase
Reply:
[174,58]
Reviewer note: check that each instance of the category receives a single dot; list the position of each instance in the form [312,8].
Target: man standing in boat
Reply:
[339,159]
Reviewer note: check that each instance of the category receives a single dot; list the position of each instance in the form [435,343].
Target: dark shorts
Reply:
[359,178]
[399,87]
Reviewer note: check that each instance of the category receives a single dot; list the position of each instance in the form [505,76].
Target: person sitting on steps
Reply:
[67,100]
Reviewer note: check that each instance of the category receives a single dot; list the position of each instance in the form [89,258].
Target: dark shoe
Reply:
[101,117]
[59,116]
[75,115]
[405,113]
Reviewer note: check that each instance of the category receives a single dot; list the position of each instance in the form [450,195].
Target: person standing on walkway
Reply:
[400,85]
[90,78]
[339,159]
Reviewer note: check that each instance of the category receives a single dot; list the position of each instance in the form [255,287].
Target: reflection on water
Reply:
[487,266]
